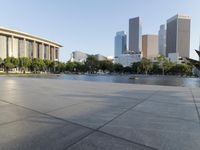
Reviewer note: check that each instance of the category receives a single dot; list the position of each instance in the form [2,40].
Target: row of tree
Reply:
[145,66]
[163,67]
[26,64]
[92,66]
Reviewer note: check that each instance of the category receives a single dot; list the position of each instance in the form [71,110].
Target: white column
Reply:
[48,52]
[25,49]
[51,53]
[3,47]
[41,51]
[12,45]
[58,51]
[34,50]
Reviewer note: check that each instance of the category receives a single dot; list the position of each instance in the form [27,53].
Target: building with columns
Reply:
[19,44]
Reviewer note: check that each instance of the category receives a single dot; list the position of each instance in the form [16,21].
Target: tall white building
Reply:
[135,35]
[120,43]
[162,40]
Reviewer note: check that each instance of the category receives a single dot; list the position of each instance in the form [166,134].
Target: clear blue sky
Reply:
[90,25]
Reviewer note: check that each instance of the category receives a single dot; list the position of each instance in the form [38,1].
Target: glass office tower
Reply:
[120,43]
[135,35]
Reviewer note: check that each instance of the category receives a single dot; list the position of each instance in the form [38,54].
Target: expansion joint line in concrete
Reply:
[198,113]
[128,109]
[41,113]
[98,129]
[92,130]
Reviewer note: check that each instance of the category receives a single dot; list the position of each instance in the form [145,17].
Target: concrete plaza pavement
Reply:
[47,114]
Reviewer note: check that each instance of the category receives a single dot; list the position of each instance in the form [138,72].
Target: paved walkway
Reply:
[42,114]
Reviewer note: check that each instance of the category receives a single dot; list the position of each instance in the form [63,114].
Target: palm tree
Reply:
[162,62]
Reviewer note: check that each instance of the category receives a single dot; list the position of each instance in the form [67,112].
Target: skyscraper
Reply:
[150,46]
[162,40]
[178,36]
[120,43]
[135,35]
